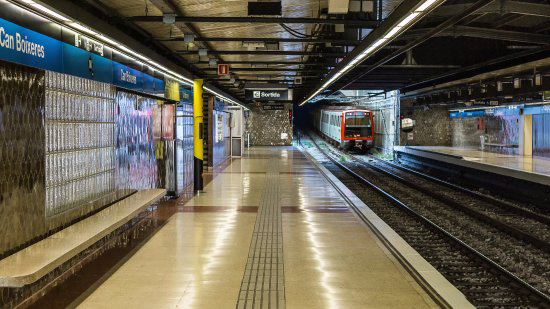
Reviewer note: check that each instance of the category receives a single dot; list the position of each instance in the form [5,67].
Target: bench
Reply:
[502,145]
[34,262]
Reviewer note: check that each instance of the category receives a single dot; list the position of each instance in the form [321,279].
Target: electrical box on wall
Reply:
[338,6]
[361,6]
[265,7]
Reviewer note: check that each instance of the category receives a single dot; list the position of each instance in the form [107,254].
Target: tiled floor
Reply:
[202,257]
[527,164]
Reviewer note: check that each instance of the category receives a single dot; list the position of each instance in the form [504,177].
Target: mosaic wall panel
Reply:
[22,177]
[432,127]
[136,158]
[498,129]
[80,141]
[270,127]
[184,147]
[466,132]
[503,129]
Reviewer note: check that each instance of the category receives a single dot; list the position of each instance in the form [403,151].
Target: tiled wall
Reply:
[68,147]
[80,142]
[268,127]
[22,171]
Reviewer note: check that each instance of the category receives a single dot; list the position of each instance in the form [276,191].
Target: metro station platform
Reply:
[510,173]
[269,231]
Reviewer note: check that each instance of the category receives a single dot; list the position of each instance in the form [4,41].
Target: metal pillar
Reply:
[198,132]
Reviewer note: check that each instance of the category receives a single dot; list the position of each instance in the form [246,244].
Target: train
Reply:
[346,128]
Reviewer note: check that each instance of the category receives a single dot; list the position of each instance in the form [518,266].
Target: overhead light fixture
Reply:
[424,6]
[415,14]
[84,29]
[407,19]
[203,52]
[75,26]
[109,41]
[47,11]
[188,38]
[538,79]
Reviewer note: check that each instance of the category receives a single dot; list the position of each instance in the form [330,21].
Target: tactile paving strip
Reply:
[263,281]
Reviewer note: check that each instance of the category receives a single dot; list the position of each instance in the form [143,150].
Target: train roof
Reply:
[346,110]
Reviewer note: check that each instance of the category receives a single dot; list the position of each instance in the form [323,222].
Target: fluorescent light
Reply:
[407,20]
[425,5]
[392,32]
[47,11]
[78,26]
[107,40]
[133,53]
[378,43]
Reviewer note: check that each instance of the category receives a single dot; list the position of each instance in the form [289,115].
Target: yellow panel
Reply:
[198,116]
[528,135]
[172,90]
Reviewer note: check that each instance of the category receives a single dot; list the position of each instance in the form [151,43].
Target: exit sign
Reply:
[223,69]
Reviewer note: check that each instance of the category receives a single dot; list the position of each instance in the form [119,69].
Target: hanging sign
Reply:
[267,95]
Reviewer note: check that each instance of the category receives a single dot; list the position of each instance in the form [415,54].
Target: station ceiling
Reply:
[308,43]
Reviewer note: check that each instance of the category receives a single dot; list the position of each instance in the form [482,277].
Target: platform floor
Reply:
[268,232]
[538,165]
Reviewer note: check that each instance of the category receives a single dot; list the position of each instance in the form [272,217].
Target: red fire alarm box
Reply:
[223,69]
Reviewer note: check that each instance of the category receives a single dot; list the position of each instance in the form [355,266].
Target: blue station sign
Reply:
[30,48]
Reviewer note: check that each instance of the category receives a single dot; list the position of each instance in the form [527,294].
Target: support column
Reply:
[198,133]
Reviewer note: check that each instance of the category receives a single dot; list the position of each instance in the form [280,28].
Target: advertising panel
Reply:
[157,121]
[168,111]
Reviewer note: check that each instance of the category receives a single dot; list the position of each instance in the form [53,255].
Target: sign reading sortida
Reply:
[266,95]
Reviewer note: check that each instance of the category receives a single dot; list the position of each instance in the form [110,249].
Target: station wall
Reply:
[22,165]
[270,127]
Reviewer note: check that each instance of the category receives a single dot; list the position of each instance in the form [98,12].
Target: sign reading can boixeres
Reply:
[266,95]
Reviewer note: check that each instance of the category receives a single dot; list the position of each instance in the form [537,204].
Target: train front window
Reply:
[357,124]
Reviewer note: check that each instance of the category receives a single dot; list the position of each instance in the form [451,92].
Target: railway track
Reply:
[486,270]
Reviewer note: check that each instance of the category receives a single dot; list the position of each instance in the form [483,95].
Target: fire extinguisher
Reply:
[290,116]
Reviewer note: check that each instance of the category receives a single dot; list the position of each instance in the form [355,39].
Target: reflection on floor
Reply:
[538,165]
[223,248]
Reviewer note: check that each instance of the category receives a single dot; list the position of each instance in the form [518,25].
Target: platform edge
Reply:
[434,283]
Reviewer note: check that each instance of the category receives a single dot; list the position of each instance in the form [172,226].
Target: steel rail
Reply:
[516,232]
[489,199]
[540,295]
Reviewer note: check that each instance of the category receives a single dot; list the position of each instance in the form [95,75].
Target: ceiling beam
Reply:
[261,20]
[291,63]
[484,33]
[265,52]
[448,23]
[262,39]
[499,7]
